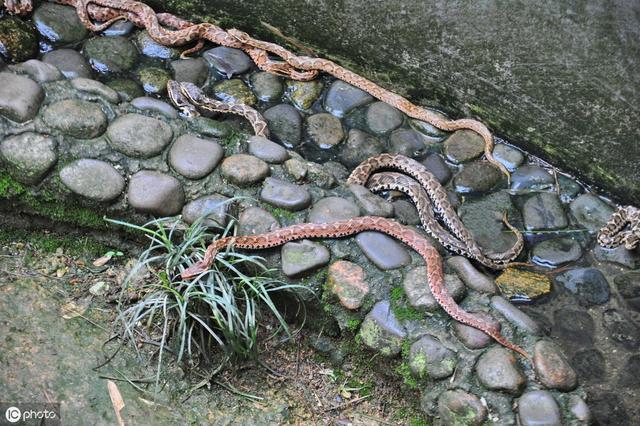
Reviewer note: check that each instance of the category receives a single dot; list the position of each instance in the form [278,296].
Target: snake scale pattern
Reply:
[623,228]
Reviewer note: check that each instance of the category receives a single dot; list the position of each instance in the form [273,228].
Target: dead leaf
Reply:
[116,400]
[60,272]
[101,261]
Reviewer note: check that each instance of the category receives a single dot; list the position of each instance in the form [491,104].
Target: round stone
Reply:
[267,150]
[590,211]
[407,142]
[463,146]
[73,117]
[381,331]
[347,281]
[497,371]
[208,127]
[94,87]
[371,204]
[588,284]
[212,210]
[266,86]
[619,255]
[627,380]
[194,157]
[304,256]
[471,276]
[573,327]
[119,28]
[552,368]
[509,156]
[234,91]
[228,61]
[531,177]
[147,103]
[153,79]
[579,409]
[457,407]
[149,47]
[256,220]
[358,147]
[473,338]
[515,315]
[523,286]
[430,358]
[191,70]
[476,178]
[285,195]
[406,212]
[71,63]
[28,157]
[93,179]
[285,124]
[436,165]
[18,39]
[20,97]
[590,365]
[385,252]
[383,118]
[303,93]
[537,408]
[126,88]
[155,193]
[38,71]
[243,169]
[419,294]
[621,329]
[325,130]
[343,97]
[556,252]
[110,54]
[59,24]
[569,188]
[543,211]
[628,285]
[137,135]
[332,209]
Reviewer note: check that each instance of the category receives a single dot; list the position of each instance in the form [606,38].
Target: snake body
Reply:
[622,228]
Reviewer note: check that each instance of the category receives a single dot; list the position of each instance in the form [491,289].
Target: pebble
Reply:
[149,47]
[94,87]
[119,28]
[285,124]
[303,93]
[301,170]
[244,169]
[212,209]
[358,147]
[256,220]
[59,24]
[20,97]
[99,289]
[92,179]
[473,338]
[609,409]
[419,293]
[457,407]
[192,70]
[523,285]
[156,193]
[588,284]
[266,86]
[574,327]
[579,409]
[267,150]
[590,365]
[497,371]
[343,97]
[627,380]
[126,88]
[28,157]
[139,136]
[332,209]
[407,142]
[194,157]
[228,61]
[509,156]
[153,80]
[18,40]
[471,276]
[552,368]
[110,54]
[536,408]
[543,211]
[477,177]
[463,146]
[619,255]
[382,117]
[590,211]
[38,71]
[371,204]
[430,358]
[556,252]
[515,316]
[71,63]
[531,177]
[209,127]
[300,257]
[325,130]
[77,118]
[381,331]
[436,165]
[146,103]
[286,195]
[234,91]
[347,280]
[385,252]
[406,212]
[628,285]
[432,133]
[621,329]
[569,188]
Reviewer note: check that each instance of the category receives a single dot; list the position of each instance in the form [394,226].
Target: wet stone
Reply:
[80,119]
[569,188]
[476,178]
[153,80]
[556,252]
[471,276]
[209,127]
[523,285]
[537,408]
[256,220]
[473,338]
[590,211]
[71,63]
[95,88]
[552,368]
[325,130]
[38,71]
[194,157]
[383,118]
[573,327]
[110,54]
[627,380]
[332,209]
[146,103]
[267,150]
[590,365]
[358,147]
[243,169]
[457,407]
[619,255]
[18,40]
[531,177]
[436,165]
[136,135]
[59,24]
[497,370]
[406,212]
[99,289]
[510,157]
[149,47]
[28,156]
[304,93]
[215,207]
[304,256]
[155,193]
[234,91]
[463,146]
[419,294]
[20,97]
[266,86]
[119,28]
[347,281]
[407,142]
[286,195]
[608,409]
[381,331]
[515,316]
[371,204]
[93,179]
[621,329]
[126,89]
[192,70]
[430,358]
[301,170]
[432,133]
[628,285]
[544,211]
[343,97]
[588,284]
[285,124]
[385,252]
[579,409]
[228,61]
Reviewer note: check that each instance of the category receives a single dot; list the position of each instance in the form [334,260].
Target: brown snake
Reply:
[344,228]
[18,7]
[622,228]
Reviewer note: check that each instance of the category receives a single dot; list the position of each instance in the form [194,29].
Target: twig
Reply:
[348,403]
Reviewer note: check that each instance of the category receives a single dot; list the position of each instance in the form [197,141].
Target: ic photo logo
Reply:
[13,414]
[29,413]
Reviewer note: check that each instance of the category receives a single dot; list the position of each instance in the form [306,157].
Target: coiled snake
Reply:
[622,228]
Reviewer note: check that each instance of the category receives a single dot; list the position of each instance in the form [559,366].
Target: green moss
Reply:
[404,371]
[353,324]
[400,308]
[397,294]
[406,348]
[49,243]
[279,213]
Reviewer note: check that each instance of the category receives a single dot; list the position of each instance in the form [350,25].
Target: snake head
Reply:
[177,97]
[191,92]
[241,36]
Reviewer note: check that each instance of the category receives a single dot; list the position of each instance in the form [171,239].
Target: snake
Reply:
[345,228]
[18,7]
[622,228]
[189,98]
[428,195]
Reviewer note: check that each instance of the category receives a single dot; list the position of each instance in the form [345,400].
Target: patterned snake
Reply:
[622,228]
